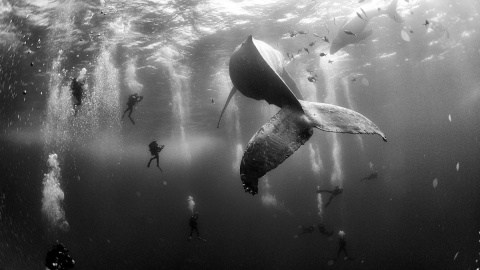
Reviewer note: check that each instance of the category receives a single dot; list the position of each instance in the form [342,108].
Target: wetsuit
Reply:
[193,225]
[77,90]
[132,101]
[154,150]
[342,243]
[323,230]
[309,229]
[58,259]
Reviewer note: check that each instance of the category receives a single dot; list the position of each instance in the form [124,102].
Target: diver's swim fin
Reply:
[226,104]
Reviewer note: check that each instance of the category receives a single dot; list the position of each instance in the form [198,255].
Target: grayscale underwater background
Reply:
[112,212]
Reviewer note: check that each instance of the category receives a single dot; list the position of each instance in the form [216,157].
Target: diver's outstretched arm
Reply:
[324,190]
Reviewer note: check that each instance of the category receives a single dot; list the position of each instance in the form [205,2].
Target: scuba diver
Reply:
[77,91]
[372,176]
[342,243]
[154,150]
[309,229]
[336,191]
[58,259]
[193,226]
[323,230]
[132,101]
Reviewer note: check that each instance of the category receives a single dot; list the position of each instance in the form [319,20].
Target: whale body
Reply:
[356,25]
[257,71]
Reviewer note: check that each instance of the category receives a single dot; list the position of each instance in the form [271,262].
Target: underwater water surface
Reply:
[81,177]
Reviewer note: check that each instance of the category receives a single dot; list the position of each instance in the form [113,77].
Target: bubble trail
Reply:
[53,196]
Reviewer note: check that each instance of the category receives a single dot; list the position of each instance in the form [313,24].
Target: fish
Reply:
[302,32]
[330,61]
[349,33]
[311,79]
[293,34]
[354,79]
[328,30]
[411,31]
[364,13]
[324,38]
[306,49]
[322,54]
[267,79]
[426,23]
[316,35]
[312,43]
[360,16]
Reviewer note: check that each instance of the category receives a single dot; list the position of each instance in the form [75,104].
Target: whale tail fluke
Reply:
[289,129]
[392,11]
[332,118]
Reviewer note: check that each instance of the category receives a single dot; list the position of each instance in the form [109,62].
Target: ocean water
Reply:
[83,179]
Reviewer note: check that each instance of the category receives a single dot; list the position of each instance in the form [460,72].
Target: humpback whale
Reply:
[256,70]
[356,24]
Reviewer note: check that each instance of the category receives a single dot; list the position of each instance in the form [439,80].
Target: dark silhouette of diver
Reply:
[309,229]
[154,150]
[342,243]
[193,226]
[77,91]
[336,191]
[58,259]
[372,176]
[323,230]
[132,101]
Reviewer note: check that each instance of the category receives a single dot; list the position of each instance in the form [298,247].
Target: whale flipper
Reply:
[289,129]
[232,92]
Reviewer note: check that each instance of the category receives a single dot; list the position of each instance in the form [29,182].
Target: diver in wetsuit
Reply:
[336,191]
[193,226]
[323,230]
[309,229]
[77,91]
[372,176]
[132,101]
[58,259]
[154,149]
[342,243]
